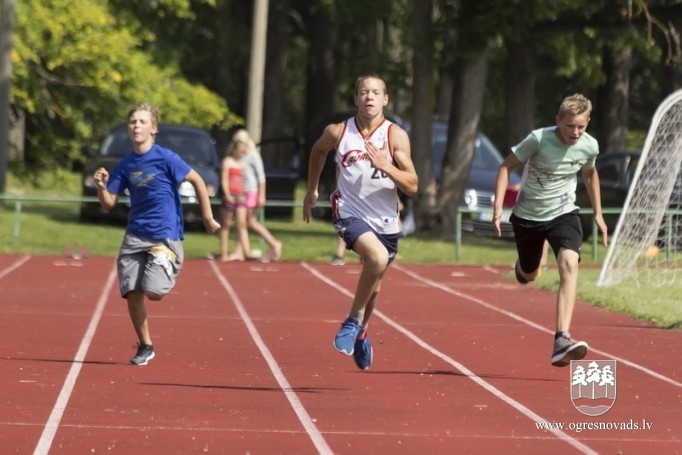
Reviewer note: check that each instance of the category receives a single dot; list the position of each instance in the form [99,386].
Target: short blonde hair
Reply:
[366,76]
[576,104]
[145,106]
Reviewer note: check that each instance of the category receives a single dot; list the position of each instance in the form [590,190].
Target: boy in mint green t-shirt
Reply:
[545,209]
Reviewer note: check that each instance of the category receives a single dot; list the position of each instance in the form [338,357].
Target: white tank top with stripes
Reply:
[362,190]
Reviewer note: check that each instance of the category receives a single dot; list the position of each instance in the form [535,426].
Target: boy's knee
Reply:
[153,295]
[376,262]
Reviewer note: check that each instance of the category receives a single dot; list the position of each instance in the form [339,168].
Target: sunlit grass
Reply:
[44,227]
[660,306]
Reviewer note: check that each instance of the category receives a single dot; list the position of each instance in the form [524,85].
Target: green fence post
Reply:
[595,239]
[17,223]
[458,233]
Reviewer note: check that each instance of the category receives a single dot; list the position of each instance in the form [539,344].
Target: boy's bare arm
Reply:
[106,199]
[591,179]
[197,182]
[318,154]
[402,172]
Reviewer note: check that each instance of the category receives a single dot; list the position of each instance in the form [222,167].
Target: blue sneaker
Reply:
[345,338]
[363,353]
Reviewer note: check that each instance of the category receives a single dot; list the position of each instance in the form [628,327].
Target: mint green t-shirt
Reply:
[550,174]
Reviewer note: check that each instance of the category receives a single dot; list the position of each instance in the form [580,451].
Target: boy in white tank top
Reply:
[374,161]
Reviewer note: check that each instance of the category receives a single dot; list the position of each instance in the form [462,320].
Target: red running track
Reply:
[245,364]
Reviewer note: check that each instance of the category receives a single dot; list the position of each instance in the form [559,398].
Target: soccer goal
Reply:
[646,247]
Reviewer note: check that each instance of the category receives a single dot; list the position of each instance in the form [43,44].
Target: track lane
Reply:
[641,394]
[207,389]
[391,407]
[211,389]
[45,312]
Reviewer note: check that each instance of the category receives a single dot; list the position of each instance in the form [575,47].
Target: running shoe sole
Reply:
[576,351]
[143,362]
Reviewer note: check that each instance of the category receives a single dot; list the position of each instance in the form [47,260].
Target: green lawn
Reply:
[48,227]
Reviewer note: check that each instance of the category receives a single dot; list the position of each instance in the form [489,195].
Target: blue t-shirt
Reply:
[152,180]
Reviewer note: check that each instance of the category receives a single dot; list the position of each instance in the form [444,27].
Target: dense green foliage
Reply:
[78,65]
[76,71]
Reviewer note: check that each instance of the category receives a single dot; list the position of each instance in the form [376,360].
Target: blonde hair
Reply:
[234,145]
[576,104]
[145,106]
[243,136]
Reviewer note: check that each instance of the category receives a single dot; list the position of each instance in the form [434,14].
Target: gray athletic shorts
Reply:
[148,265]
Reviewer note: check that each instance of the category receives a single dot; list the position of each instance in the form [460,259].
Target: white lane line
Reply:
[525,321]
[18,263]
[303,416]
[460,367]
[52,424]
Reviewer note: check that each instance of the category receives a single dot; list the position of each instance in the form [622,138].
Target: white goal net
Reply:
[646,247]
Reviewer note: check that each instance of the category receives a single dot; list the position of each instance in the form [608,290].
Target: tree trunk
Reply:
[6,31]
[275,69]
[424,202]
[519,110]
[321,90]
[467,103]
[445,80]
[612,105]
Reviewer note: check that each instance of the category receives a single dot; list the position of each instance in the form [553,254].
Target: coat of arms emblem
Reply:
[593,386]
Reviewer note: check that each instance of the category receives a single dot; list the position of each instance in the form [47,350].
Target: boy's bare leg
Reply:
[567,262]
[138,315]
[374,262]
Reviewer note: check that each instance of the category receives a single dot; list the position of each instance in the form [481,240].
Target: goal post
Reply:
[646,247]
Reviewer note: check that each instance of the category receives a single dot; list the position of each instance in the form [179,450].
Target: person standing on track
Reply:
[151,253]
[374,161]
[545,209]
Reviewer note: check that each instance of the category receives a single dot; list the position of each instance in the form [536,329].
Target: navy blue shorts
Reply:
[564,231]
[349,229]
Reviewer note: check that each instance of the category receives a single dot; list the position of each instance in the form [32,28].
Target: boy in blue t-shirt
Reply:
[151,253]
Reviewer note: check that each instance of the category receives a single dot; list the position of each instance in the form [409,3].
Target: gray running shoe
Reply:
[145,353]
[566,350]
[337,260]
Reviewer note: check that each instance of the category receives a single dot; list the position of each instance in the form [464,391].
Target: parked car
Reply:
[616,171]
[282,162]
[194,145]
[480,189]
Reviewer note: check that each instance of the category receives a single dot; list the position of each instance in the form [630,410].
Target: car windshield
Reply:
[193,147]
[486,156]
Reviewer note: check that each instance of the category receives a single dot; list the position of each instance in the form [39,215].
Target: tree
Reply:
[424,202]
[6,30]
[613,99]
[78,70]
[467,103]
